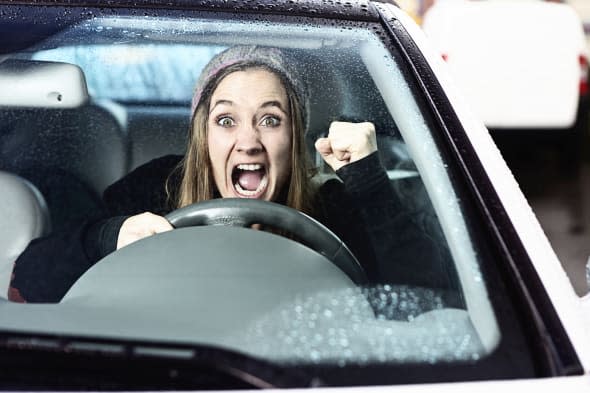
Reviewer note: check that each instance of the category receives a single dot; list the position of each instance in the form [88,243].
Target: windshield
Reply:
[142,72]
[421,298]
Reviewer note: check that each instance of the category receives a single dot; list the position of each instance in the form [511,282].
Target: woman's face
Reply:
[249,135]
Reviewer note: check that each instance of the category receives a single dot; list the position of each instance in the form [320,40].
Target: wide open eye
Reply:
[225,121]
[270,121]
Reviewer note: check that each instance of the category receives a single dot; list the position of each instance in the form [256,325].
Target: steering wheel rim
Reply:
[246,212]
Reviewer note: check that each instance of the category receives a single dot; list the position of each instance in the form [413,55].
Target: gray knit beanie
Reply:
[271,58]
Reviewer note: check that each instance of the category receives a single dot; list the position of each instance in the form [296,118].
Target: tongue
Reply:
[250,180]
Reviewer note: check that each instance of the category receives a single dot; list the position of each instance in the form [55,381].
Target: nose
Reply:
[248,140]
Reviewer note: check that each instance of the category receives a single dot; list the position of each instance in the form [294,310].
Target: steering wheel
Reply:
[246,212]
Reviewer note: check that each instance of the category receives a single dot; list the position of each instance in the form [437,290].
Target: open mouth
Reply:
[249,180]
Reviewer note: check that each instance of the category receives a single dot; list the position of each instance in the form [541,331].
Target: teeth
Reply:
[249,167]
[248,193]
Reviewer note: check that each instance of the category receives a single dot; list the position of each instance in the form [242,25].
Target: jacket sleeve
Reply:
[395,245]
[50,265]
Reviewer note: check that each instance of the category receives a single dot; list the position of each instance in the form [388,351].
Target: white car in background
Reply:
[521,64]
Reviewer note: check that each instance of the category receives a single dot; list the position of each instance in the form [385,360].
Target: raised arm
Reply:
[394,244]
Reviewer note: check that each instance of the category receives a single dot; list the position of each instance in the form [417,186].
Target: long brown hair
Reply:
[197,182]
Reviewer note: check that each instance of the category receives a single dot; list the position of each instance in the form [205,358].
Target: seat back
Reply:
[156,131]
[24,217]
[71,155]
[88,142]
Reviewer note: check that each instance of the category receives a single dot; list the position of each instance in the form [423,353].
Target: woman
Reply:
[247,141]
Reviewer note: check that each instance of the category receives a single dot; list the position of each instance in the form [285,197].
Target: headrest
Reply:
[41,84]
[24,216]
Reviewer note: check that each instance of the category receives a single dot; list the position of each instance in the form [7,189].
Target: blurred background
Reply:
[522,65]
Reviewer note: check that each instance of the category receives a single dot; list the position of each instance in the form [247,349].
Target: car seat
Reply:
[156,131]
[24,216]
[71,155]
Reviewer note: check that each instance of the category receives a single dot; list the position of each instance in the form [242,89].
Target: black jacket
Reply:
[363,210]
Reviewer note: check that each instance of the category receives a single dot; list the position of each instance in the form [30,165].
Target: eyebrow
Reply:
[273,103]
[264,105]
[220,102]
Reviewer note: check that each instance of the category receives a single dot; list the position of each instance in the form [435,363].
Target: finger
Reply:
[341,136]
[149,223]
[140,226]
[356,139]
[340,147]
[159,224]
[341,128]
[342,154]
[323,146]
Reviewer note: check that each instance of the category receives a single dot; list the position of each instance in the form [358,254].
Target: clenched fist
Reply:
[347,143]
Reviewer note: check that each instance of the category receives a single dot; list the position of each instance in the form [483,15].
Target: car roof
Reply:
[12,29]
[344,9]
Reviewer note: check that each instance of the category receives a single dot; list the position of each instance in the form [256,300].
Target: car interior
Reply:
[65,154]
